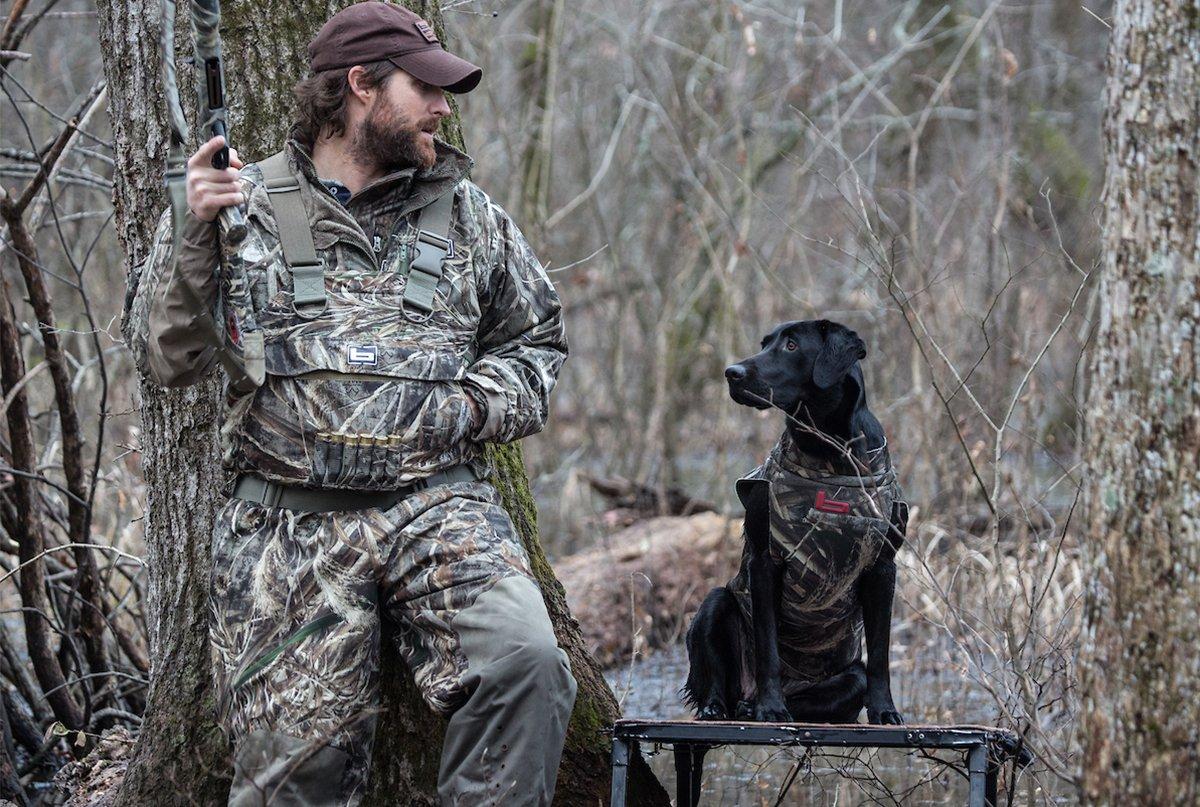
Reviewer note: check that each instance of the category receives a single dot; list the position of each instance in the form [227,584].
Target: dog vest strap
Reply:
[899,524]
[295,234]
[433,247]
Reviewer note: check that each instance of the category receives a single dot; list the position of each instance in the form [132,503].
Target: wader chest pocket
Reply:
[358,413]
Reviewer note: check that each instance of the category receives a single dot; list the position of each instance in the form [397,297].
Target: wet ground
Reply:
[764,776]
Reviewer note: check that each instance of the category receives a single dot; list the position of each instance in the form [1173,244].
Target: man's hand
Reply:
[210,189]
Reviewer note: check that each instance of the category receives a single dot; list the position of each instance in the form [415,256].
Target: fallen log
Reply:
[640,589]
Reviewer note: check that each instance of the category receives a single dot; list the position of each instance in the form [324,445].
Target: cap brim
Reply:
[441,69]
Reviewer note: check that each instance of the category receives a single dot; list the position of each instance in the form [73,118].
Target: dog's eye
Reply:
[791,345]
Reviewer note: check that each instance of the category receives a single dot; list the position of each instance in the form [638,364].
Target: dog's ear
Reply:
[841,349]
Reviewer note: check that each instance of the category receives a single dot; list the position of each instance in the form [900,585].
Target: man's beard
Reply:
[390,141]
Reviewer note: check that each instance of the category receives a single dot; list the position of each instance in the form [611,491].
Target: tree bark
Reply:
[1140,672]
[265,46]
[10,783]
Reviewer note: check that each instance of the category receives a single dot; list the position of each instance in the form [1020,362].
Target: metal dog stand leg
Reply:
[620,767]
[689,768]
[982,777]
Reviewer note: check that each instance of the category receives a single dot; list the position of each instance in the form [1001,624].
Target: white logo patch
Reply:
[362,355]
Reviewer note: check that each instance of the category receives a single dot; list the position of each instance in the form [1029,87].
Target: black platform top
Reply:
[1002,742]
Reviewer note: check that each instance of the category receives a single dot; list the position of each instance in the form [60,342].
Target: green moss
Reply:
[588,723]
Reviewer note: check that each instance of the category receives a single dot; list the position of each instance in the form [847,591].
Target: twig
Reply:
[45,552]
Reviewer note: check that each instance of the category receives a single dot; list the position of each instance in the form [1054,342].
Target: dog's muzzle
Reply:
[745,389]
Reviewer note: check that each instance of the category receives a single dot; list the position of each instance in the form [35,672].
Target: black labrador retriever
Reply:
[783,640]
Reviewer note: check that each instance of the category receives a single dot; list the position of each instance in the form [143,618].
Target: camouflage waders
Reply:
[296,603]
[829,522]
[380,371]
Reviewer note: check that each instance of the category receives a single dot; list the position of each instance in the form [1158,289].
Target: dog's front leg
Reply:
[765,595]
[876,590]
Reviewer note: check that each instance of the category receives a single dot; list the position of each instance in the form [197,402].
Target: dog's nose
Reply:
[735,372]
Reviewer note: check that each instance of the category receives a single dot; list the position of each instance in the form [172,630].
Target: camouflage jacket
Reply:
[321,418]
[829,522]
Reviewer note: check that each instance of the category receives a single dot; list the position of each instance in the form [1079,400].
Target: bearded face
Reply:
[391,140]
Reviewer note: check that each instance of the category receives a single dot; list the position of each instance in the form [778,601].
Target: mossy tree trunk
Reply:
[1140,669]
[180,758]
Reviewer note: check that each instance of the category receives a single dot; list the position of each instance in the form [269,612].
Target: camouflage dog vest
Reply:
[829,519]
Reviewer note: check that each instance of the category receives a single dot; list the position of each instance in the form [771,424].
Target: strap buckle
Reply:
[256,489]
[437,241]
[424,273]
[308,289]
[272,493]
[281,184]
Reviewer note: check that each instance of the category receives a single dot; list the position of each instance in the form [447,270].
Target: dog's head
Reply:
[800,363]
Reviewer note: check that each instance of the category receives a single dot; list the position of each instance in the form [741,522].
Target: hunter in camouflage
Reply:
[358,461]
[830,519]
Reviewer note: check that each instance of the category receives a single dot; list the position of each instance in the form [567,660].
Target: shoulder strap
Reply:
[295,234]
[433,247]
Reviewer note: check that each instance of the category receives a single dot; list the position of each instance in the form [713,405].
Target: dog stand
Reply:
[986,748]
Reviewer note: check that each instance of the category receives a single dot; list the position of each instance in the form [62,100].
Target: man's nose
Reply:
[735,372]
[441,107]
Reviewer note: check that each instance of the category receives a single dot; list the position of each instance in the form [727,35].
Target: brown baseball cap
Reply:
[373,31]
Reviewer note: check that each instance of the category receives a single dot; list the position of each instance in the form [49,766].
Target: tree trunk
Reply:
[1140,671]
[180,757]
[265,48]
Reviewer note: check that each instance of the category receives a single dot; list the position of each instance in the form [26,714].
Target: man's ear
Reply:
[358,83]
[841,349]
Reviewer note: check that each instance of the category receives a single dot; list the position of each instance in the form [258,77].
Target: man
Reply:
[401,321]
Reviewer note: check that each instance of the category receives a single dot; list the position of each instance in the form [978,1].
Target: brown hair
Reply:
[321,100]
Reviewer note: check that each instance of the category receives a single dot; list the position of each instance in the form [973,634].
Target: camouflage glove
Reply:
[451,416]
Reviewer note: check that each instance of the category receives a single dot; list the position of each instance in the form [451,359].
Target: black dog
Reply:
[783,640]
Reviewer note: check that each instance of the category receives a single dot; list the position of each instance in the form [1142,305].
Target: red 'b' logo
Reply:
[830,505]
[231,327]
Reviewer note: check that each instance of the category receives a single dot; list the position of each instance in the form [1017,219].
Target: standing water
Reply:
[749,776]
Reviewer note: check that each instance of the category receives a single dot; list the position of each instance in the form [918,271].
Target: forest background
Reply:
[692,173]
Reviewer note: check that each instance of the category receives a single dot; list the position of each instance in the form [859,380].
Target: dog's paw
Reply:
[885,717]
[772,713]
[744,710]
[713,711]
